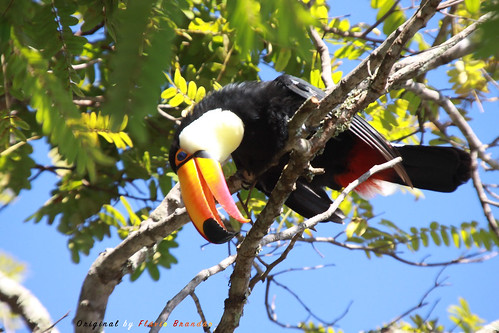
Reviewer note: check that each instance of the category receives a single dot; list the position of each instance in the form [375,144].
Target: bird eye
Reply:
[181,155]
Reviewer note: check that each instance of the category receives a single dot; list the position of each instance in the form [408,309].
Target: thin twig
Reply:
[189,289]
[50,329]
[86,64]
[206,328]
[468,259]
[422,301]
[282,257]
[321,47]
[390,11]
[167,115]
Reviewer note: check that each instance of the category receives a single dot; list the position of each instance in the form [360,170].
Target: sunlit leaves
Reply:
[380,241]
[11,267]
[462,316]
[161,256]
[182,92]
[110,217]
[15,170]
[113,217]
[99,125]
[393,119]
[487,43]
[142,53]
[311,327]
[356,226]
[57,115]
[11,130]
[395,14]
[252,20]
[473,6]
[244,17]
[467,76]
[16,271]
[422,325]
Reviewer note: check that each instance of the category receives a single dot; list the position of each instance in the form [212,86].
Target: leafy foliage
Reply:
[462,316]
[87,78]
[378,241]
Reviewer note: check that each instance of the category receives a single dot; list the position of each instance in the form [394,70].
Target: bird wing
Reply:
[359,126]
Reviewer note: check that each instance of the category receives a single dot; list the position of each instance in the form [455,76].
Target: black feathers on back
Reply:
[265,109]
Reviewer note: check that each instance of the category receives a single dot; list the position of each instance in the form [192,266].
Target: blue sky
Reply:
[378,289]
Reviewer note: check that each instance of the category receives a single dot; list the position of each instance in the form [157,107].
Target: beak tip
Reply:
[214,233]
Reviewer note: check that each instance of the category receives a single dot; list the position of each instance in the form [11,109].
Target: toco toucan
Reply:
[249,121]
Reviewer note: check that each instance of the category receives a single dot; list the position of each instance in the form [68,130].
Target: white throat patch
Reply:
[219,132]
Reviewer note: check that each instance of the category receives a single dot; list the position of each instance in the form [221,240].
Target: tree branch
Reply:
[456,117]
[200,312]
[300,157]
[422,301]
[476,146]
[465,259]
[24,303]
[110,267]
[323,50]
[189,289]
[454,48]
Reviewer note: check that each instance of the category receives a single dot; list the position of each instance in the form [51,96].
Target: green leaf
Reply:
[467,239]
[114,216]
[455,237]
[153,190]
[153,271]
[177,100]
[134,218]
[435,237]
[473,6]
[180,82]
[424,237]
[138,271]
[282,59]
[445,235]
[145,47]
[191,90]
[350,229]
[169,93]
[200,94]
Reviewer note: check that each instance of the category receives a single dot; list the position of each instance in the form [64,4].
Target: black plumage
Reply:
[265,109]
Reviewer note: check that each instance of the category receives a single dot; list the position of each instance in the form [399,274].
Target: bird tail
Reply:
[440,169]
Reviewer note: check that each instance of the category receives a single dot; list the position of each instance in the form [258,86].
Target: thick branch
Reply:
[110,267]
[300,158]
[390,48]
[24,303]
[454,48]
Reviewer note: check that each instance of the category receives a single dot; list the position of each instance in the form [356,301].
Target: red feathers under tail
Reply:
[440,169]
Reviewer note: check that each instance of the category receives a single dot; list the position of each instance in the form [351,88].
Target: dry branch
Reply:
[24,303]
[110,267]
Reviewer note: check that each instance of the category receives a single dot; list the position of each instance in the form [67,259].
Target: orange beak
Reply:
[201,183]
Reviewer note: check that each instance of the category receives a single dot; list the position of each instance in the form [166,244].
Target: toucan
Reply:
[248,121]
